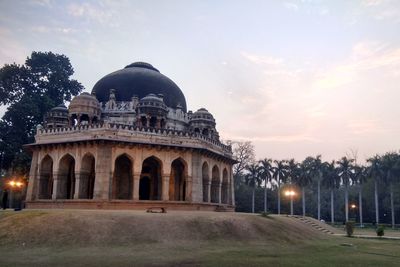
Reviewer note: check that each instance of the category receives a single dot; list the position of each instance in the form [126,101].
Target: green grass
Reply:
[135,238]
[332,251]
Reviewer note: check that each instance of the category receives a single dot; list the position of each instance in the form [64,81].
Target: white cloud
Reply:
[291,6]
[100,13]
[367,56]
[8,44]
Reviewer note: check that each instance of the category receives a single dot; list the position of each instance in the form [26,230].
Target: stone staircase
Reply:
[317,225]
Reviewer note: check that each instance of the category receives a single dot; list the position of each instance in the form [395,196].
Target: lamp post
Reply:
[15,186]
[291,194]
[353,207]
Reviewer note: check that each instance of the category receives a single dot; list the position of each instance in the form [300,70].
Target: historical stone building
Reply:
[130,144]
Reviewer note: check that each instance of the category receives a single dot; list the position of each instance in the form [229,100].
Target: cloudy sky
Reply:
[296,78]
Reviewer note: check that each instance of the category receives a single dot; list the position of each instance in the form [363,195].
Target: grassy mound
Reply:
[93,227]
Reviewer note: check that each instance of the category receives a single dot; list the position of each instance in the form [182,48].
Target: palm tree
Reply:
[252,179]
[304,179]
[360,177]
[375,171]
[292,174]
[316,171]
[279,174]
[345,171]
[391,170]
[266,176]
[331,181]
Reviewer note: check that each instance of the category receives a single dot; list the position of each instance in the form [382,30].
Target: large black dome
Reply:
[139,79]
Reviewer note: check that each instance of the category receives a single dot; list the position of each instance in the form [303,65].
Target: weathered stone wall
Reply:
[105,155]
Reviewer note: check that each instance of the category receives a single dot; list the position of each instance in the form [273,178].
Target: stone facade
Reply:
[126,154]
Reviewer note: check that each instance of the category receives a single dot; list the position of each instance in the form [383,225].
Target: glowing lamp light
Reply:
[290,193]
[353,206]
[13,183]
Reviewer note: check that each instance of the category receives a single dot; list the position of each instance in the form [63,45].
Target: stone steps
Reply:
[313,223]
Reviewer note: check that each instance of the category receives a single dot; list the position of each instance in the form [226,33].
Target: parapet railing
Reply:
[115,126]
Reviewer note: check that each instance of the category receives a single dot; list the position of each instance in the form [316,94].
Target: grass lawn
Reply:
[332,251]
[128,238]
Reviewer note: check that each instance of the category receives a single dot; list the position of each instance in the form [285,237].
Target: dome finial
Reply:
[143,65]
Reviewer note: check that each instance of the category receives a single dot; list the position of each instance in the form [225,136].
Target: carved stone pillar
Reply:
[55,194]
[78,187]
[219,193]
[189,186]
[33,185]
[209,191]
[165,187]
[136,184]
[103,177]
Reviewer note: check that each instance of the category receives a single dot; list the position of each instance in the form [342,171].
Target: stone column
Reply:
[209,190]
[136,184]
[78,181]
[103,178]
[165,187]
[232,184]
[219,193]
[33,184]
[189,186]
[55,194]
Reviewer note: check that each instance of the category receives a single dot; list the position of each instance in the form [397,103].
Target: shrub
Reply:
[264,214]
[349,228]
[380,231]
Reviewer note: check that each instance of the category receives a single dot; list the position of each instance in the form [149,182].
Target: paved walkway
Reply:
[372,236]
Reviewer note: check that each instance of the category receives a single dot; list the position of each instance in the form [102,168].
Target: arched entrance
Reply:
[215,186]
[224,187]
[122,185]
[87,177]
[150,187]
[66,177]
[206,180]
[177,181]
[46,178]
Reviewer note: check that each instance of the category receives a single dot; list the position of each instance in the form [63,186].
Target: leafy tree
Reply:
[30,90]
[279,171]
[253,178]
[266,176]
[316,171]
[345,171]
[360,177]
[292,175]
[243,152]
[391,170]
[331,181]
[304,179]
[375,171]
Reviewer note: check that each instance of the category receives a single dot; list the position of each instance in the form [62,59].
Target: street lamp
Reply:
[15,186]
[353,207]
[290,193]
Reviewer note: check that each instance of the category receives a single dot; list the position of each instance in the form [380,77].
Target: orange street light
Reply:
[353,206]
[291,194]
[15,186]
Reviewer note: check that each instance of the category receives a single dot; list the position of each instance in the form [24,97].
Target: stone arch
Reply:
[66,177]
[150,185]
[205,180]
[225,187]
[46,178]
[122,183]
[177,180]
[215,185]
[87,176]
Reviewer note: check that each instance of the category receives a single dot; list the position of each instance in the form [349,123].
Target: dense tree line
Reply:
[335,191]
